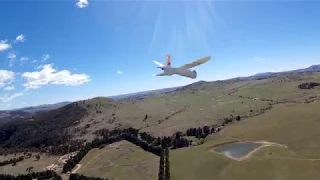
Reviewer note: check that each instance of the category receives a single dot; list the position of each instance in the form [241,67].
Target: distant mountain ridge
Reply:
[310,69]
[142,94]
[43,107]
[27,112]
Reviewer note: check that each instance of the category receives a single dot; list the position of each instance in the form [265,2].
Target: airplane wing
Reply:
[196,63]
[162,74]
[159,64]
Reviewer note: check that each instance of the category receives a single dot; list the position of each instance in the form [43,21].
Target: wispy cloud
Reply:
[4,45]
[9,88]
[23,59]
[7,98]
[45,57]
[20,38]
[11,56]
[119,72]
[82,3]
[259,59]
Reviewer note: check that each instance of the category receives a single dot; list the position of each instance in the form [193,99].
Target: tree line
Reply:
[11,161]
[141,139]
[308,85]
[49,174]
[82,177]
[204,131]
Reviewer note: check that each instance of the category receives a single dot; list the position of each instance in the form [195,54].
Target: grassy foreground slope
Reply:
[295,125]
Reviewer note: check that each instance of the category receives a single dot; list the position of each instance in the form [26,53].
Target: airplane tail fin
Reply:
[168,62]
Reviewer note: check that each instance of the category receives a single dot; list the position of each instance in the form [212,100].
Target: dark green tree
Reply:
[167,169]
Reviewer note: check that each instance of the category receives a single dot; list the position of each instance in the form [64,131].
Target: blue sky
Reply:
[52,51]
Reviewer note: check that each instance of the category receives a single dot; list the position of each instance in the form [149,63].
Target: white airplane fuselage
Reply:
[179,71]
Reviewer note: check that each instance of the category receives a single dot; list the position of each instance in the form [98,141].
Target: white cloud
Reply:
[34,61]
[6,77]
[259,59]
[49,75]
[9,88]
[7,98]
[119,72]
[4,45]
[20,38]
[82,3]
[45,57]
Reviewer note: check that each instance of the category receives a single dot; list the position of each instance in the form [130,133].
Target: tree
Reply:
[161,166]
[29,169]
[167,169]
[38,157]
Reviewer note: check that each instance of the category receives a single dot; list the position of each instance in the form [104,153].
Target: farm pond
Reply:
[237,150]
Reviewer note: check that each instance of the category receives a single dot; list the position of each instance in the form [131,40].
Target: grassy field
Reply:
[21,167]
[295,125]
[125,162]
[280,88]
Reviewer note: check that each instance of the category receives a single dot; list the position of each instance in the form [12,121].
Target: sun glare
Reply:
[177,26]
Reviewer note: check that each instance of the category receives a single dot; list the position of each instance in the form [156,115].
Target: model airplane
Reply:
[182,70]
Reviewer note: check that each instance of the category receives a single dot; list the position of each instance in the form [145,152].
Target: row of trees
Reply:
[144,139]
[164,165]
[202,132]
[35,175]
[11,161]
